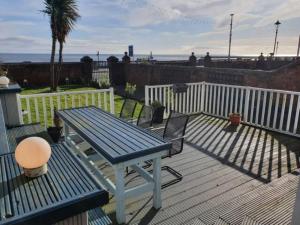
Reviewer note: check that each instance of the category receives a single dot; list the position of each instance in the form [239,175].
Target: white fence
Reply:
[101,75]
[39,108]
[271,109]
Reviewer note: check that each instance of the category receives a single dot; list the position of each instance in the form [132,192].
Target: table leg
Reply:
[157,183]
[120,195]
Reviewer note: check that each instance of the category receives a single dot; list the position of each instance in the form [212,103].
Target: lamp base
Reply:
[36,172]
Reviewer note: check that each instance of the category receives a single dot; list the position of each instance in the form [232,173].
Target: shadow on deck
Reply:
[222,169]
[256,152]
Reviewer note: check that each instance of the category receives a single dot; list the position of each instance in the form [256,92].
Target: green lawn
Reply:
[81,98]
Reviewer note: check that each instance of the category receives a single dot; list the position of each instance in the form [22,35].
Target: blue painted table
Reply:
[120,144]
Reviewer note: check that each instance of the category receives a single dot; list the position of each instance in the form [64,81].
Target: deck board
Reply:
[219,165]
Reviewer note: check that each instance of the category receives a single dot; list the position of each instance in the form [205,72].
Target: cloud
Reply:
[161,26]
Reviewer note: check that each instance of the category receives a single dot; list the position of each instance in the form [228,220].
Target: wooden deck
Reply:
[229,177]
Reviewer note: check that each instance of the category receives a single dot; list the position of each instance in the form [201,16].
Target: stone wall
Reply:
[286,77]
[38,74]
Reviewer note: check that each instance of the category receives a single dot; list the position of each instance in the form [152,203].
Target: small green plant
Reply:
[2,71]
[156,104]
[104,84]
[130,89]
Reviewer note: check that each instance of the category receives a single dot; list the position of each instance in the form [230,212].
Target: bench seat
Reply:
[98,217]
[17,134]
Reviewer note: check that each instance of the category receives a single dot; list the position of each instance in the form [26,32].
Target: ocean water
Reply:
[22,57]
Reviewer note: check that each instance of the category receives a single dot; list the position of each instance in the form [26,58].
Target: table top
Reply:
[115,139]
[66,190]
[12,88]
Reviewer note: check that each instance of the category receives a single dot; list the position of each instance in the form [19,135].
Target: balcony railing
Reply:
[39,108]
[275,110]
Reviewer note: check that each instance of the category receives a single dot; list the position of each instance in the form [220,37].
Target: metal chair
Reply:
[145,118]
[128,108]
[174,132]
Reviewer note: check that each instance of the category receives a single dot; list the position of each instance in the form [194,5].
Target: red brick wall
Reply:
[286,78]
[38,74]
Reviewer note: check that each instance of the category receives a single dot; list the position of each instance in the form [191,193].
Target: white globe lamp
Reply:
[4,81]
[32,154]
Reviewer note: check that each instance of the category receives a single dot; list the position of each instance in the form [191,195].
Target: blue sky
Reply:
[161,26]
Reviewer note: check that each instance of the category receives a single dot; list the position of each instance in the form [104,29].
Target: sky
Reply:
[160,26]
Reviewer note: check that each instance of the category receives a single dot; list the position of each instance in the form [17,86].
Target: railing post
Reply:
[112,100]
[146,95]
[247,97]
[202,96]
[19,106]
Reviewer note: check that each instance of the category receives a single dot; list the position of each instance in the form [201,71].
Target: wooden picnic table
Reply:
[121,144]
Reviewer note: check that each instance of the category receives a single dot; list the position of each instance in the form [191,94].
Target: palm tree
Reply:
[66,18]
[51,11]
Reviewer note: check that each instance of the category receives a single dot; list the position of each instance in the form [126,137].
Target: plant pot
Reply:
[55,133]
[158,114]
[235,119]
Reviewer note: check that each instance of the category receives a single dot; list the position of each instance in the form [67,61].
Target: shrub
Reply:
[130,89]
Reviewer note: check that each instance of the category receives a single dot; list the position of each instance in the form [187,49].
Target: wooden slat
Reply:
[112,137]
[66,190]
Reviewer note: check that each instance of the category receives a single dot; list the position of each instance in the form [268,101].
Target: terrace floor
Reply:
[229,177]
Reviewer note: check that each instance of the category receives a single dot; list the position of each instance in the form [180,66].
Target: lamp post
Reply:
[98,54]
[298,50]
[277,26]
[230,35]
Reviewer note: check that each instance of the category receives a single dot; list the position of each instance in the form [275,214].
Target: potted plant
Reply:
[56,131]
[158,112]
[235,119]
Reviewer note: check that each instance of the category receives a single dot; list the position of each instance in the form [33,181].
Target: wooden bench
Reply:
[67,191]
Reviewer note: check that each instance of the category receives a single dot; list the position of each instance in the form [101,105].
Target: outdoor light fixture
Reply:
[32,154]
[4,81]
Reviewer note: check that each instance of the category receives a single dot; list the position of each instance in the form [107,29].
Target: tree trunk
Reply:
[52,65]
[60,61]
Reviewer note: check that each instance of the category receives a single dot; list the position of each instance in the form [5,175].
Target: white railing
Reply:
[187,102]
[276,110]
[39,108]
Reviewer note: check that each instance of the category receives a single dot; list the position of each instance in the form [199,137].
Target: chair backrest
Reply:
[175,131]
[128,109]
[145,117]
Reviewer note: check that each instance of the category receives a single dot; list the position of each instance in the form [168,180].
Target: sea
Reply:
[32,57]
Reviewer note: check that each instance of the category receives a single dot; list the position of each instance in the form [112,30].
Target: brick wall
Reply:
[286,77]
[38,74]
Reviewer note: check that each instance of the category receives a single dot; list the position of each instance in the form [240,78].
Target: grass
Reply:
[65,102]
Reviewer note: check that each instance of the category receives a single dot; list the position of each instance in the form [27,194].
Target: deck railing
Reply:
[39,108]
[275,110]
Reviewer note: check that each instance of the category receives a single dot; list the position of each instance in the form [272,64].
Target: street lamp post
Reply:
[277,26]
[230,36]
[298,50]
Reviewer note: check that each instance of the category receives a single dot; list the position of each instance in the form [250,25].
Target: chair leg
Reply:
[178,176]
